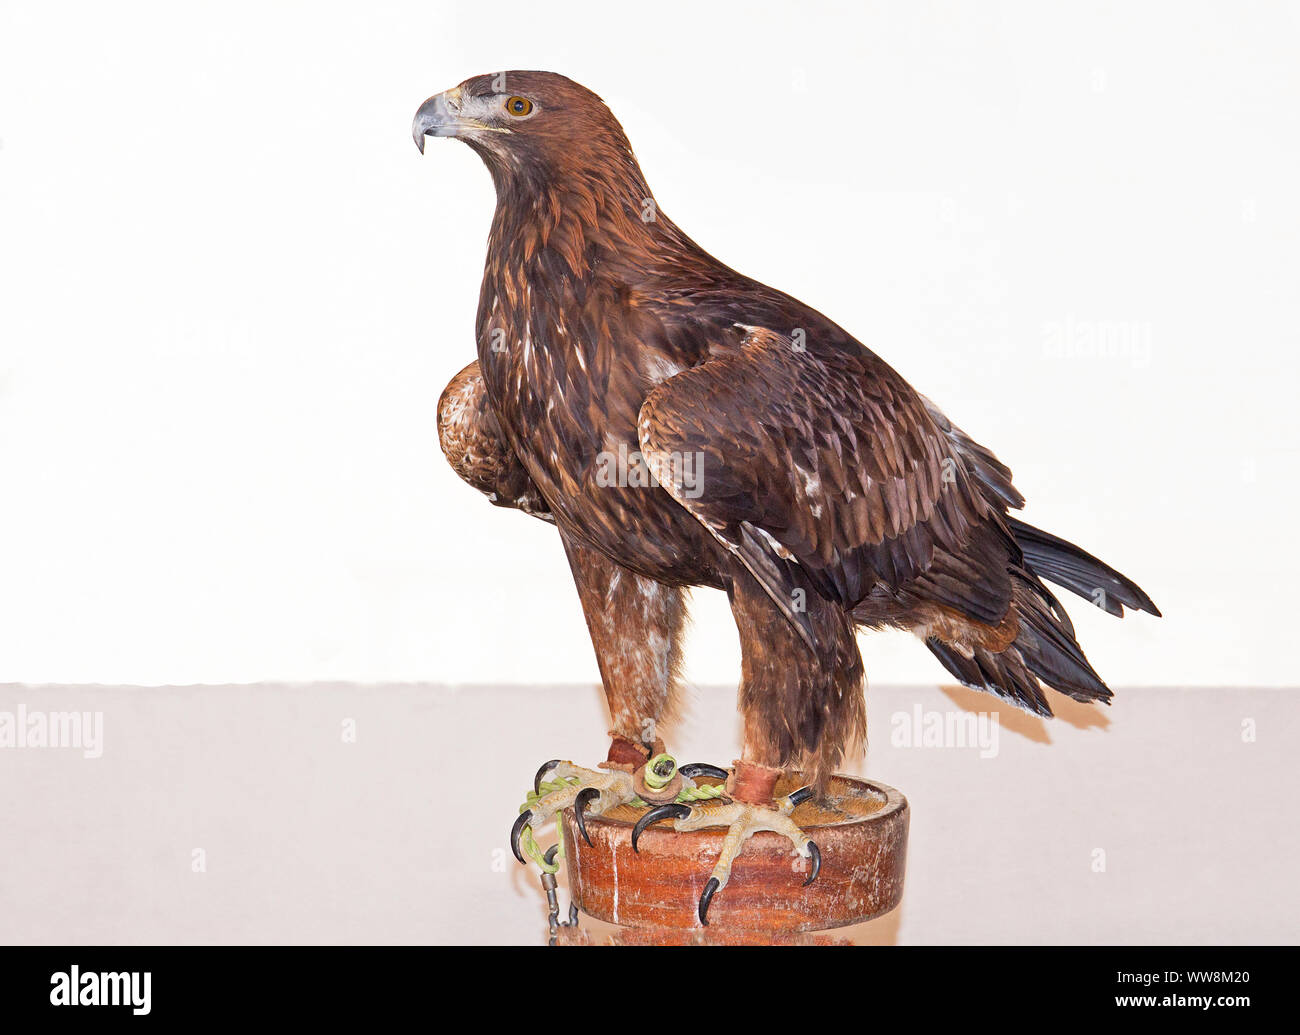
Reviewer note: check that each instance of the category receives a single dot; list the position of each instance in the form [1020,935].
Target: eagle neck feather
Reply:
[593,220]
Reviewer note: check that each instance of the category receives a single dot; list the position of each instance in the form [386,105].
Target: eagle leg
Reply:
[743,820]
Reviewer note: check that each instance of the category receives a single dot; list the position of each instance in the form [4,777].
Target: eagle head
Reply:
[538,124]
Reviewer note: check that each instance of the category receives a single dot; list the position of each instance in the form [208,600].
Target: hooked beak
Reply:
[437,117]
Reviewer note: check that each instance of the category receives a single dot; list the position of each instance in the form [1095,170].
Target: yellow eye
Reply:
[519,106]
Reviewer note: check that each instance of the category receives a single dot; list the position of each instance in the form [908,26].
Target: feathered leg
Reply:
[802,709]
[636,629]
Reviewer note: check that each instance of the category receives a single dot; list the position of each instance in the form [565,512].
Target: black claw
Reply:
[546,768]
[517,831]
[706,898]
[585,797]
[549,857]
[694,769]
[670,811]
[800,796]
[815,854]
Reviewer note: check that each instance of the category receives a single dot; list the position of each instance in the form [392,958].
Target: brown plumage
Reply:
[793,467]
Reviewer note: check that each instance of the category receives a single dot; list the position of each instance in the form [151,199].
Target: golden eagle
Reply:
[683,425]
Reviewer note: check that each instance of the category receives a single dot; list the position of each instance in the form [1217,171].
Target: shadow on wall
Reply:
[1026,724]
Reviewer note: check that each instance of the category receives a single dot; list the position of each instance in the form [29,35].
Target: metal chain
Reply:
[553,921]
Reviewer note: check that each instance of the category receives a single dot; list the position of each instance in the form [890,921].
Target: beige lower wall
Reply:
[401,835]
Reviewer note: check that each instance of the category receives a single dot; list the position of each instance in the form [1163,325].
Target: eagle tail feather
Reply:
[1049,648]
[1044,652]
[1003,674]
[1075,569]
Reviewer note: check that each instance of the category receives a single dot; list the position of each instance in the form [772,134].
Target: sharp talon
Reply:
[517,831]
[550,854]
[815,854]
[546,767]
[800,796]
[706,898]
[694,769]
[585,797]
[670,811]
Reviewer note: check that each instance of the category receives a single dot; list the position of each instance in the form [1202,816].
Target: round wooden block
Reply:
[860,827]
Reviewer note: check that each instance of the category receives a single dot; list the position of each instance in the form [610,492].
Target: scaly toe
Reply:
[593,792]
[743,821]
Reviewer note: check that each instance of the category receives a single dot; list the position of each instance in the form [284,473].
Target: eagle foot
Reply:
[743,821]
[558,785]
[592,792]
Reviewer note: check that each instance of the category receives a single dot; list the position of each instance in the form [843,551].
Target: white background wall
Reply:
[232,291]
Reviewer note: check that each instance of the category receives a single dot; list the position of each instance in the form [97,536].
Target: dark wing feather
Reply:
[827,471]
[992,474]
[1045,554]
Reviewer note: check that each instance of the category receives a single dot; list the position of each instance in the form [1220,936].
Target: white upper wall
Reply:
[232,291]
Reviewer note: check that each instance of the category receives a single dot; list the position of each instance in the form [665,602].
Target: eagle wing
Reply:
[827,472]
